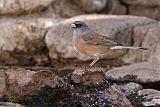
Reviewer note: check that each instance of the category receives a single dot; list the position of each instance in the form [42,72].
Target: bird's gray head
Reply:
[80,28]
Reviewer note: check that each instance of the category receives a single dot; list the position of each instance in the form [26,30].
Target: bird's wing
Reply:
[93,38]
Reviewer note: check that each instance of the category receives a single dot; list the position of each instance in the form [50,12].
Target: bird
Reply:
[90,43]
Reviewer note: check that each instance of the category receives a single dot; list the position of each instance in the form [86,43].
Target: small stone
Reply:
[150,97]
[9,104]
[117,97]
[87,76]
[130,88]
[103,95]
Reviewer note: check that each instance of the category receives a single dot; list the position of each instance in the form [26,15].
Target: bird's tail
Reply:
[127,47]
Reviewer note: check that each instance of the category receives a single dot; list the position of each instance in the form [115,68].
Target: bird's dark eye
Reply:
[78,25]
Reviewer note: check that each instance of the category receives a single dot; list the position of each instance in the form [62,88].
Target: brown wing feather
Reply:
[97,39]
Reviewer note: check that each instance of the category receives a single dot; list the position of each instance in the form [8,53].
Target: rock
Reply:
[130,88]
[59,37]
[66,8]
[117,97]
[92,5]
[144,72]
[22,41]
[147,3]
[90,76]
[94,97]
[3,84]
[151,97]
[18,7]
[47,13]
[70,8]
[115,7]
[148,8]
[9,104]
[151,12]
[22,82]
[149,37]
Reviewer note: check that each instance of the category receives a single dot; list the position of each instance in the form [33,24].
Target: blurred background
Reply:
[26,38]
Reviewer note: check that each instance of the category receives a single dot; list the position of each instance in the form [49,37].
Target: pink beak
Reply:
[73,25]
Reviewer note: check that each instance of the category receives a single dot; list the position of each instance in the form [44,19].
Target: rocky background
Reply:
[40,68]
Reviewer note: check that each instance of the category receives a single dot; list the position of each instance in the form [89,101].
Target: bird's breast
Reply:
[87,49]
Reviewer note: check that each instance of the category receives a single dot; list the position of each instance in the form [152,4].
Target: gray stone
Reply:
[149,37]
[18,6]
[21,39]
[144,72]
[151,97]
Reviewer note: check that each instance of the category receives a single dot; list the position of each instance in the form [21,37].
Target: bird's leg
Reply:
[94,61]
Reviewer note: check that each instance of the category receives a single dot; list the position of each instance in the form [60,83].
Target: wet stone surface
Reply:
[77,92]
[89,75]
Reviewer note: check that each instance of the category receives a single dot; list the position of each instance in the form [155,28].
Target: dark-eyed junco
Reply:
[93,44]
